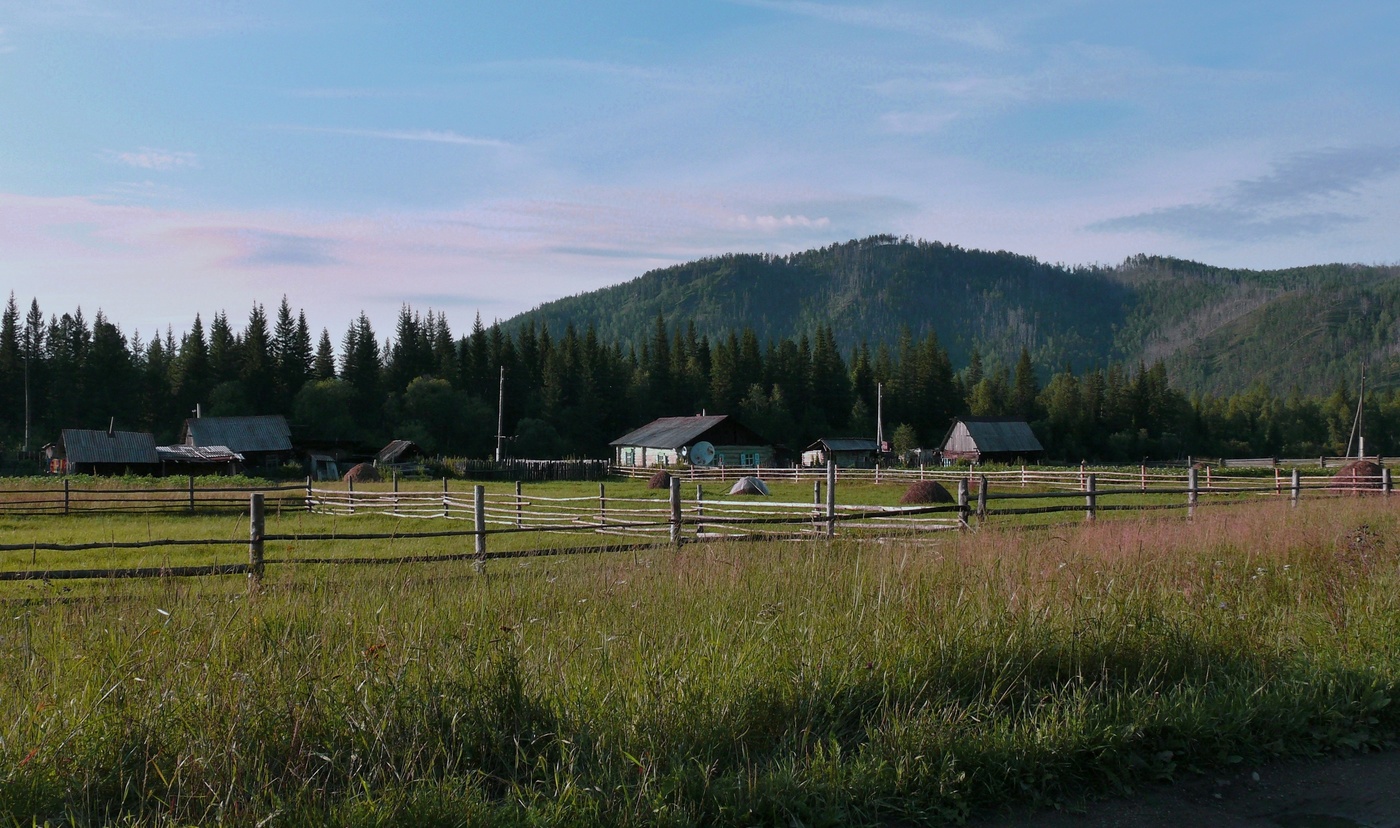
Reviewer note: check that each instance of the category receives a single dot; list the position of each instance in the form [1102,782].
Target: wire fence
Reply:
[592,524]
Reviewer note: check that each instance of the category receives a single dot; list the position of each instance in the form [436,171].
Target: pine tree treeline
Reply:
[568,394]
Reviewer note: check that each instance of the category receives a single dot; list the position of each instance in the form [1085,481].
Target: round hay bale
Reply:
[1360,475]
[362,473]
[926,491]
[660,480]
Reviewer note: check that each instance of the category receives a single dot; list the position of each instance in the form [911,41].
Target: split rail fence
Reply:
[619,523]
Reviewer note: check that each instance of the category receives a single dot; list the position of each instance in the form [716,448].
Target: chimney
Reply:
[112,427]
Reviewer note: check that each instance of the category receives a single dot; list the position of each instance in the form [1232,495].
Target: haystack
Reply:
[1358,476]
[926,491]
[362,473]
[660,480]
[749,486]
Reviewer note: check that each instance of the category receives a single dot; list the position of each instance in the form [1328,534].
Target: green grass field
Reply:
[869,683]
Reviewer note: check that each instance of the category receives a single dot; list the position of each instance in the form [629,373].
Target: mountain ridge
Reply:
[1217,329]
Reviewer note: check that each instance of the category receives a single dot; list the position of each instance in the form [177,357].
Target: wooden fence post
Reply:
[962,503]
[65,496]
[1295,488]
[396,492]
[519,507]
[676,511]
[830,499]
[1192,491]
[1091,499]
[1385,480]
[817,492]
[602,505]
[982,498]
[255,538]
[350,494]
[1142,470]
[479,523]
[445,505]
[191,494]
[699,508]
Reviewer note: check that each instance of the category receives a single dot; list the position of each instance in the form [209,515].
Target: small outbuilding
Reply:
[263,441]
[399,454]
[110,452]
[990,440]
[702,440]
[848,453]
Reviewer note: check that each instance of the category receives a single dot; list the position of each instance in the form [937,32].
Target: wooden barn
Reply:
[702,440]
[990,440]
[263,441]
[110,452]
[849,453]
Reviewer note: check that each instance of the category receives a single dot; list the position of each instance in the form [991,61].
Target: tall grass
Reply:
[737,684]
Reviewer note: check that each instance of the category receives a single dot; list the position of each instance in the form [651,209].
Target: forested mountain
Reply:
[1216,330]
[1151,358]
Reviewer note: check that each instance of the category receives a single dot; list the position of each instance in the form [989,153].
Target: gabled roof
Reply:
[83,445]
[674,432]
[268,432]
[995,435]
[845,444]
[397,449]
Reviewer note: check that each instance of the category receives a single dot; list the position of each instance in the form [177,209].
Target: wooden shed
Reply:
[263,441]
[848,452]
[670,440]
[991,439]
[94,451]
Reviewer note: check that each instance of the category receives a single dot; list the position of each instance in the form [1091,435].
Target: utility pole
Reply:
[501,415]
[879,417]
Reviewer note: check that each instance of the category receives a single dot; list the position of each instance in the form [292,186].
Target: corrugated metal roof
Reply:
[197,454]
[396,449]
[268,432]
[82,445]
[845,444]
[670,432]
[994,435]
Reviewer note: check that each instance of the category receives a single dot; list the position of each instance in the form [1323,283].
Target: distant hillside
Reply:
[1218,330]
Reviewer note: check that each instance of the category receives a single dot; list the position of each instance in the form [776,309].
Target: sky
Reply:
[162,158]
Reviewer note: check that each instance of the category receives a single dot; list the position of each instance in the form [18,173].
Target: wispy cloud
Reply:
[784,222]
[1289,200]
[140,18]
[148,158]
[891,17]
[1318,174]
[419,135]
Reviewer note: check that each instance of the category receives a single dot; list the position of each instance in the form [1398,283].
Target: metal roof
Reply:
[846,444]
[268,432]
[670,432]
[83,445]
[396,449]
[197,454]
[995,435]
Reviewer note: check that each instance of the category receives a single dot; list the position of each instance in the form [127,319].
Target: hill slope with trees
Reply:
[1217,330]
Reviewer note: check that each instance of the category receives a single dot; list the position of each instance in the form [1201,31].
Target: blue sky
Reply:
[160,158]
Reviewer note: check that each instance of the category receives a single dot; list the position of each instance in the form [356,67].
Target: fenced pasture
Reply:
[722,683]
[112,531]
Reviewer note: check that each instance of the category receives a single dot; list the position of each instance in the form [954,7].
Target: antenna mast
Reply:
[879,416]
[501,415]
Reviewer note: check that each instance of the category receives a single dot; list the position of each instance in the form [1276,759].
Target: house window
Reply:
[748,458]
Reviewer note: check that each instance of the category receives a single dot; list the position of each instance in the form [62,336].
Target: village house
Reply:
[110,452]
[263,441]
[702,440]
[990,440]
[848,453]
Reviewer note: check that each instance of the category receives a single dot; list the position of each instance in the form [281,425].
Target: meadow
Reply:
[895,682]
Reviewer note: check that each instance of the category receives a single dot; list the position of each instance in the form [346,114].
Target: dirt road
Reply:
[1360,790]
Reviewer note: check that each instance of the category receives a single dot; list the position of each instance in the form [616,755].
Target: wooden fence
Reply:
[613,523]
[69,498]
